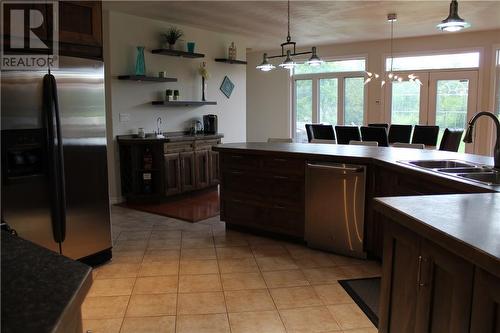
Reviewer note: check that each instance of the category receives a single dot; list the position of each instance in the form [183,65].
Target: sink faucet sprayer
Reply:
[469,134]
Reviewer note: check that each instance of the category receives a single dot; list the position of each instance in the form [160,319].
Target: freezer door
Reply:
[80,89]
[25,202]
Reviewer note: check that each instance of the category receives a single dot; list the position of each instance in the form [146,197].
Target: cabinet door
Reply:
[201,166]
[188,178]
[80,22]
[445,291]
[172,165]
[486,303]
[214,167]
[398,298]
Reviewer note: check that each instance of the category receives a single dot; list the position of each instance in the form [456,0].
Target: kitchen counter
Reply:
[42,291]
[169,137]
[384,156]
[465,224]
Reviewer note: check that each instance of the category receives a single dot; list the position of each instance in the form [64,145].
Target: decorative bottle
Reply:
[140,65]
[232,52]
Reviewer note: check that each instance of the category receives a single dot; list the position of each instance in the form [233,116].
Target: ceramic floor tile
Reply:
[161,255]
[253,322]
[349,316]
[243,281]
[201,303]
[199,283]
[111,287]
[269,251]
[200,233]
[317,260]
[105,307]
[152,305]
[166,234]
[309,320]
[248,300]
[365,270]
[290,278]
[159,268]
[166,244]
[212,323]
[244,265]
[134,235]
[193,267]
[238,252]
[198,243]
[128,245]
[344,261]
[276,263]
[230,241]
[163,324]
[156,285]
[361,330]
[332,294]
[324,275]
[295,297]
[102,325]
[198,254]
[113,270]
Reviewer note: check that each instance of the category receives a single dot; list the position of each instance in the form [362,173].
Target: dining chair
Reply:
[408,145]
[364,143]
[384,125]
[309,132]
[279,140]
[425,134]
[323,141]
[322,132]
[347,133]
[400,133]
[374,133]
[451,140]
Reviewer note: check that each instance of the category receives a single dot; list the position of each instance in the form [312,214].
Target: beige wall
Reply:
[269,94]
[122,34]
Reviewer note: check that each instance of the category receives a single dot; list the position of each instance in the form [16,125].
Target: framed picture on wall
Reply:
[227,87]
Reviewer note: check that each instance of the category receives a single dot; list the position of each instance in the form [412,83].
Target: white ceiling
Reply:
[313,22]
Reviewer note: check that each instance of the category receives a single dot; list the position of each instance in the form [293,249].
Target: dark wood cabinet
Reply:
[214,167]
[172,167]
[486,303]
[188,172]
[425,288]
[202,167]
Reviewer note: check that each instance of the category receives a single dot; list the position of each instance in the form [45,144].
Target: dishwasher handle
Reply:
[343,169]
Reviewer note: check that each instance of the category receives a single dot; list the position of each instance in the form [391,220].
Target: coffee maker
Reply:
[210,124]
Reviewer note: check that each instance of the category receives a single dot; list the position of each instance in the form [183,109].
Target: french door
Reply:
[446,99]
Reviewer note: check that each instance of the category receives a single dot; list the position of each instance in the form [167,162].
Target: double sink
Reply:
[460,169]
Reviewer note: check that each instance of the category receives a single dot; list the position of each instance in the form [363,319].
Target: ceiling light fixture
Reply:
[453,22]
[289,63]
[390,76]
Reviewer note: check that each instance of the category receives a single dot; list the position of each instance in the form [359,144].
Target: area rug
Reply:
[366,294]
[190,207]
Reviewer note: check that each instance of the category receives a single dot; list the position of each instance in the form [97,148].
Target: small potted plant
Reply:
[171,36]
[168,95]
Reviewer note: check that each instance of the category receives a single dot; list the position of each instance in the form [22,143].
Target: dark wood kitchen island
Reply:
[263,184]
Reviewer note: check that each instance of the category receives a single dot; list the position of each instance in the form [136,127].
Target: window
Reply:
[337,66]
[439,61]
[333,93]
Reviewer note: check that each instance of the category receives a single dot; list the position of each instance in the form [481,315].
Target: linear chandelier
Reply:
[391,77]
[289,45]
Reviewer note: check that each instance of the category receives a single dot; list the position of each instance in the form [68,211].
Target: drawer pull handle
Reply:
[236,156]
[237,172]
[279,206]
[280,177]
[419,272]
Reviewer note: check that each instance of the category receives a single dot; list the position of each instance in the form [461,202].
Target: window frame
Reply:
[430,54]
[315,77]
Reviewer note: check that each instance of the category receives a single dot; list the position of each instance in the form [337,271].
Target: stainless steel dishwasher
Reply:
[335,207]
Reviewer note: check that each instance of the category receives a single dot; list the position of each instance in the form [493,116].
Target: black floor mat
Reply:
[366,294]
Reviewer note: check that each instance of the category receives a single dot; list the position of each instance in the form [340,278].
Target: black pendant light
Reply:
[453,22]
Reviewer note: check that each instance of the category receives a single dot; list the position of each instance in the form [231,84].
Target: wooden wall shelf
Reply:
[175,53]
[183,103]
[229,61]
[146,78]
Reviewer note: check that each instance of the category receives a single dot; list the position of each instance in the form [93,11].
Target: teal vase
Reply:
[140,65]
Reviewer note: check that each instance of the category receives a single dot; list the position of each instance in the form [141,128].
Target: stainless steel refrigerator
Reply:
[54,166]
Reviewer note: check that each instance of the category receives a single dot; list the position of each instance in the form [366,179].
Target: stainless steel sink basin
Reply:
[441,164]
[487,177]
[461,170]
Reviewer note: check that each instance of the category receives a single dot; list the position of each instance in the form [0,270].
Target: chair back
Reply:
[451,140]
[309,132]
[408,145]
[427,135]
[347,133]
[323,141]
[322,132]
[400,133]
[364,143]
[374,133]
[386,126]
[279,140]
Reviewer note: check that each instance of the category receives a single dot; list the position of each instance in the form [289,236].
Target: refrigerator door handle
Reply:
[55,161]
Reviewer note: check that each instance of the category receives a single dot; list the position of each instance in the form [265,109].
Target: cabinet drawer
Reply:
[177,147]
[244,182]
[287,220]
[287,190]
[242,212]
[284,166]
[237,161]
[205,144]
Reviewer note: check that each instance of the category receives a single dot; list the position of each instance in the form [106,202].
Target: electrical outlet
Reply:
[124,117]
